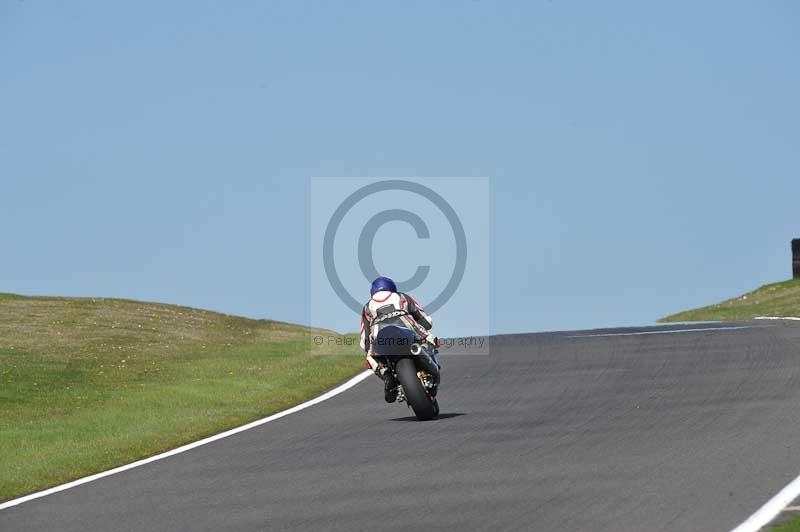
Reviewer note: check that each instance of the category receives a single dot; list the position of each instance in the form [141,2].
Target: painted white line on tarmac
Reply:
[771,509]
[777,318]
[327,395]
[668,331]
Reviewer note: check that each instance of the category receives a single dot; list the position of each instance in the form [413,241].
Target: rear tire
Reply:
[416,395]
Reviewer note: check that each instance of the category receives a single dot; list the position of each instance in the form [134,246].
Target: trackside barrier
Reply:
[796,258]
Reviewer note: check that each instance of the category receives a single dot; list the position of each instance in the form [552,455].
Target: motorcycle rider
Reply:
[387,302]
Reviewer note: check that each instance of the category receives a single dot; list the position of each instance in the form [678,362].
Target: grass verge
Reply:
[777,299]
[91,384]
[792,525]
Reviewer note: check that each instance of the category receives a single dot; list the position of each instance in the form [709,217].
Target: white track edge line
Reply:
[666,331]
[771,509]
[182,449]
[776,318]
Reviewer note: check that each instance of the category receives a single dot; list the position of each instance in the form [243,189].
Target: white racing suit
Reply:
[407,310]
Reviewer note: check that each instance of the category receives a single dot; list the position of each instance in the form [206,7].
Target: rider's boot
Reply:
[389,387]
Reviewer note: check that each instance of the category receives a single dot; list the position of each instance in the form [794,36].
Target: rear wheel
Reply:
[416,395]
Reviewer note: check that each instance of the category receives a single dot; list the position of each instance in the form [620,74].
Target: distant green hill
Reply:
[90,384]
[778,299]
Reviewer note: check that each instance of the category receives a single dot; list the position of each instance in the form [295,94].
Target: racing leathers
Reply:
[394,305]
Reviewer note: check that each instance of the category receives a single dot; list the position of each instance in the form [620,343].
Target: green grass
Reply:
[778,299]
[90,384]
[792,525]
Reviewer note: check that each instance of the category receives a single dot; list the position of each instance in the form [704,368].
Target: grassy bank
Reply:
[778,299]
[89,384]
[791,525]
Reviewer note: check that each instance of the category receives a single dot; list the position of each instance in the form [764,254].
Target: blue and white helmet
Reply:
[382,283]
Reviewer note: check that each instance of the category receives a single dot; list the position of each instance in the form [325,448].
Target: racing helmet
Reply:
[382,283]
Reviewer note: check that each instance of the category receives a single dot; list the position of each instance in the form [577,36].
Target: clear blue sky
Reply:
[644,158]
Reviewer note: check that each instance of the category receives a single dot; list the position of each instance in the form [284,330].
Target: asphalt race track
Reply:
[556,431]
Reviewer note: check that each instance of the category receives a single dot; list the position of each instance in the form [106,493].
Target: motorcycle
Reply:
[412,362]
